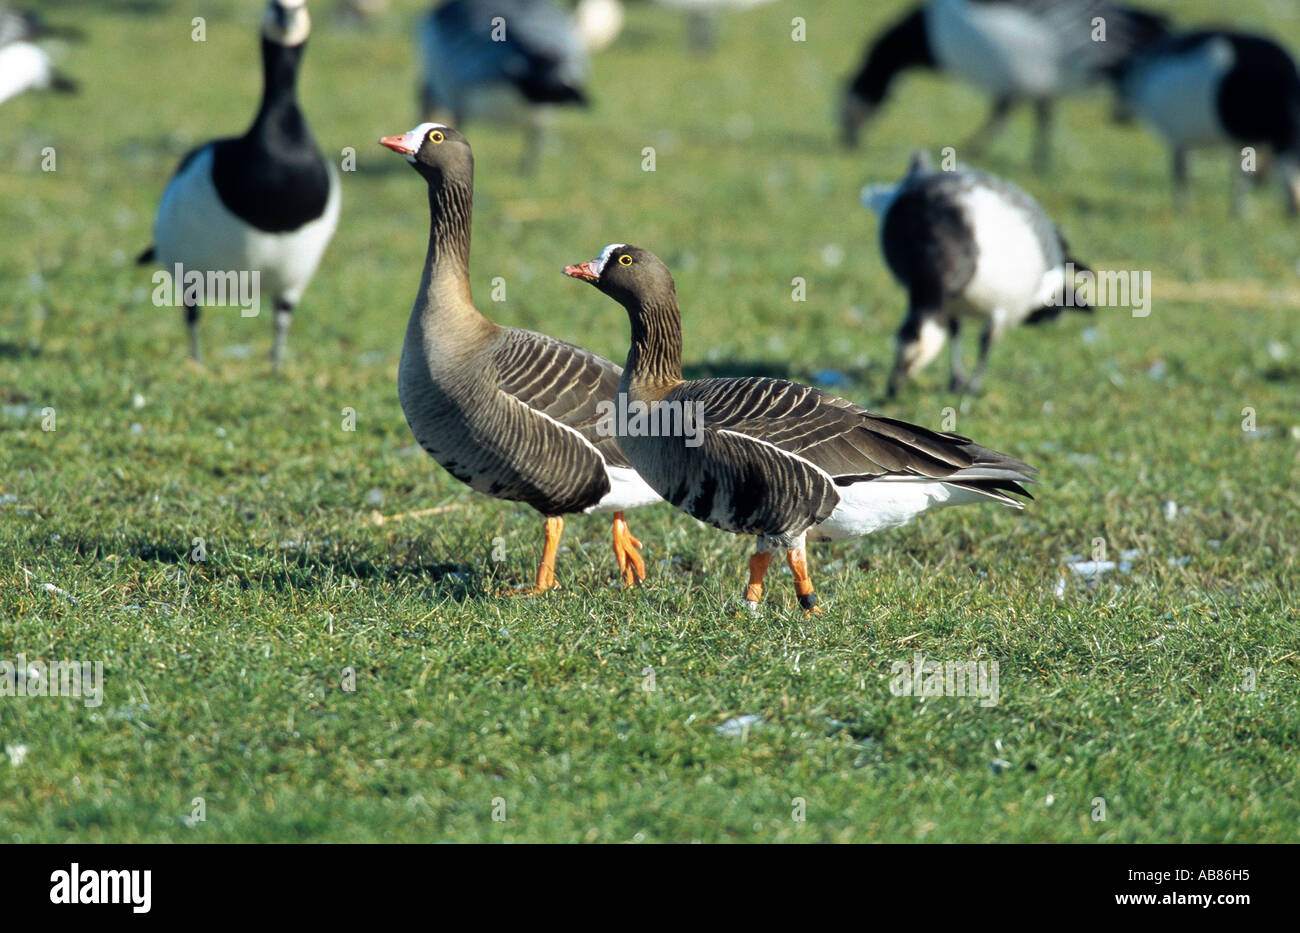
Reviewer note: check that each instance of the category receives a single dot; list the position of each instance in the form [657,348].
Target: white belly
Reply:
[23,67]
[195,229]
[627,491]
[1179,96]
[998,48]
[878,504]
[1012,276]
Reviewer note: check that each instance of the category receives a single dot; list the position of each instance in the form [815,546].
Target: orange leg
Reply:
[627,552]
[758,564]
[546,570]
[803,585]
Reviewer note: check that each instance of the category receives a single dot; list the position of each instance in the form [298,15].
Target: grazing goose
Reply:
[966,244]
[775,459]
[24,65]
[1216,87]
[1016,50]
[265,202]
[511,413]
[489,57]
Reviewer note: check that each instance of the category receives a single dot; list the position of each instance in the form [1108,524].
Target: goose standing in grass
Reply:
[265,202]
[1031,51]
[775,459]
[1215,87]
[24,65]
[966,244]
[509,412]
[490,57]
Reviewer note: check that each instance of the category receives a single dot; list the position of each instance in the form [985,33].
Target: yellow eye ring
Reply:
[436,136]
[625,260]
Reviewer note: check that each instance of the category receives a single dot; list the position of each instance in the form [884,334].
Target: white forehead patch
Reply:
[414,138]
[598,264]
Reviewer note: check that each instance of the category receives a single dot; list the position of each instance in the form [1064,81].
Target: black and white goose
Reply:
[265,202]
[500,59]
[1031,51]
[1215,87]
[24,64]
[775,459]
[513,414]
[966,244]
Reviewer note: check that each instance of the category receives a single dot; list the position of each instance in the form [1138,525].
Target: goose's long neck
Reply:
[655,358]
[905,45]
[444,291]
[278,119]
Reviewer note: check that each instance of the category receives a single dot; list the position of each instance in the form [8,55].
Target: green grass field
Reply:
[593,713]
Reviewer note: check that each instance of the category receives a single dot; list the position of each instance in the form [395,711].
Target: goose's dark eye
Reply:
[436,136]
[625,260]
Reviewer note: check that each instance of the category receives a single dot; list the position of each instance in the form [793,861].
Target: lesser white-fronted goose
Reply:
[966,244]
[1032,51]
[265,202]
[490,57]
[511,413]
[771,458]
[24,64]
[1215,87]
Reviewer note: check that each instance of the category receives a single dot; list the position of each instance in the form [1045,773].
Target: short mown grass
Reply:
[593,713]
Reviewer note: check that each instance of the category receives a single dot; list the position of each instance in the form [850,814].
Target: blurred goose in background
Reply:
[775,459]
[265,202]
[494,57]
[966,244]
[24,65]
[511,413]
[1017,50]
[1217,87]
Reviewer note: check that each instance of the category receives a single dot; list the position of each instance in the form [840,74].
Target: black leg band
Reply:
[808,601]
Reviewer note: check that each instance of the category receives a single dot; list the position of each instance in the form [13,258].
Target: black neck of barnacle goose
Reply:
[273,176]
[655,357]
[279,122]
[904,45]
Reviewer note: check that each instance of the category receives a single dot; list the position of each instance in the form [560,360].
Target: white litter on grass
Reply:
[740,726]
[832,255]
[375,497]
[16,754]
[1277,351]
[137,400]
[50,587]
[1091,571]
[1171,510]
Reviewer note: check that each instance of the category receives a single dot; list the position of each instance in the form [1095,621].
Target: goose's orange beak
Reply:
[583,270]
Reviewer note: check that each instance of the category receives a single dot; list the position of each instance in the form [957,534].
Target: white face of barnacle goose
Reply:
[286,22]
